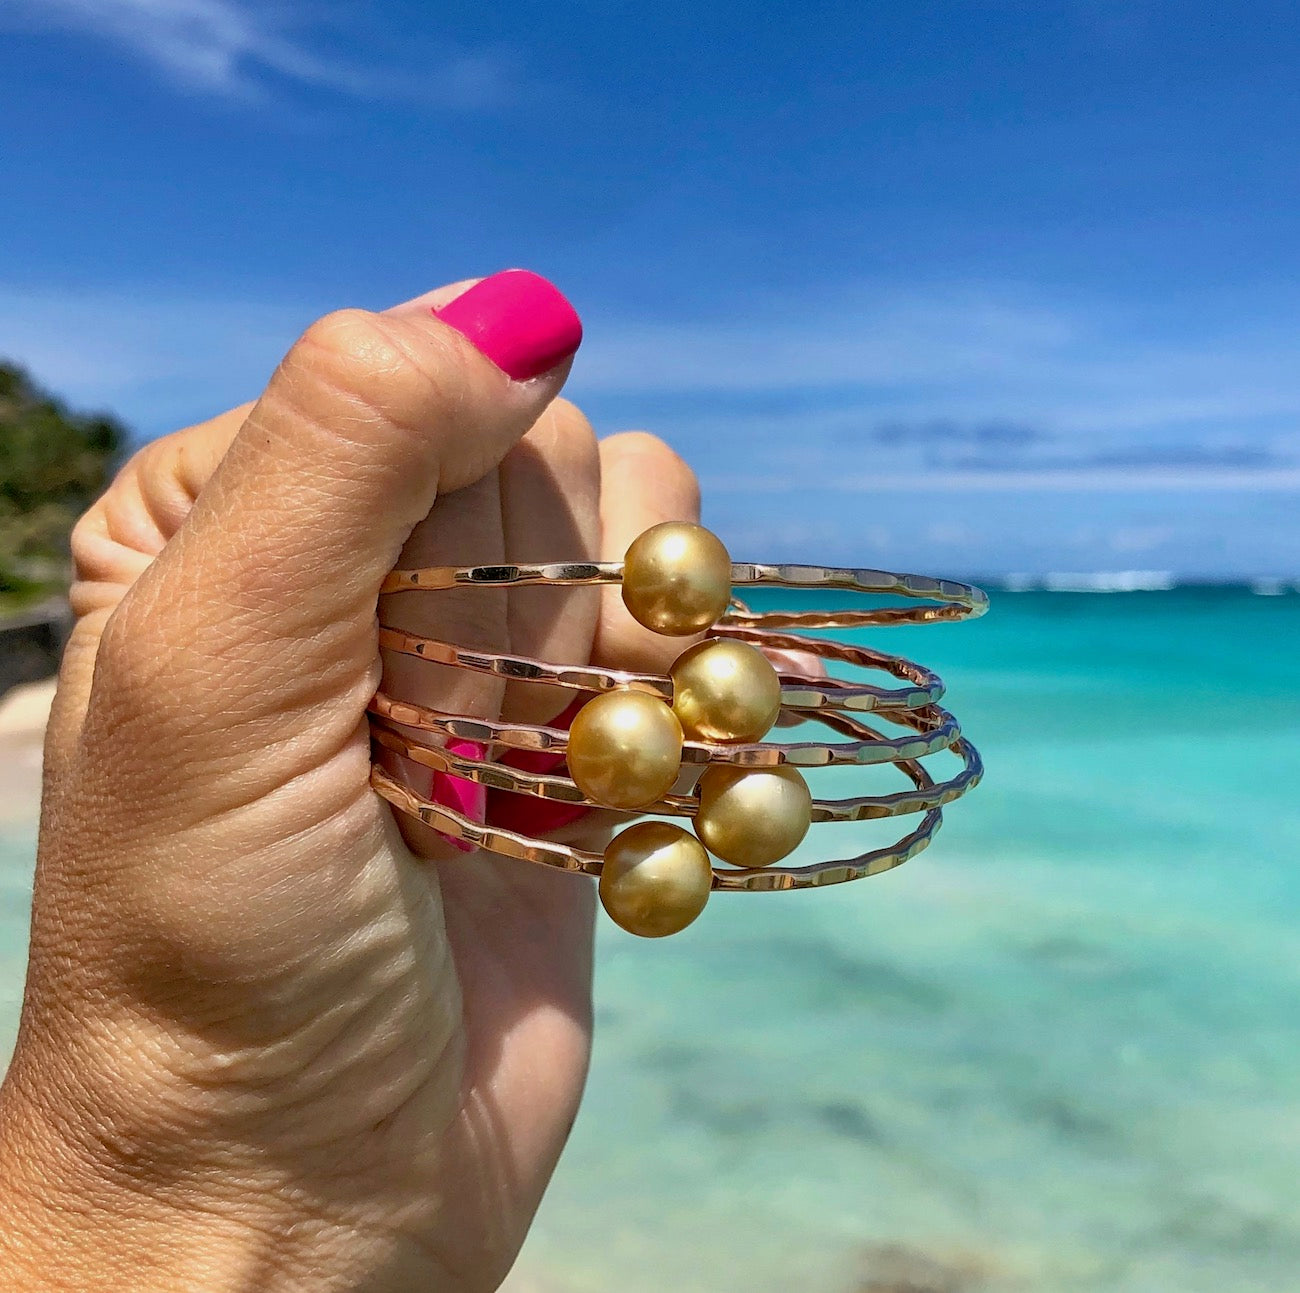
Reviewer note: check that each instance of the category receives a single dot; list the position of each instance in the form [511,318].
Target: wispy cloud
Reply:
[912,391]
[1086,457]
[983,385]
[982,356]
[237,50]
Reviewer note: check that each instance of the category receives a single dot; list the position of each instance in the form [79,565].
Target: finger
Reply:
[464,529]
[550,496]
[643,483]
[149,499]
[131,523]
[434,300]
[261,609]
[800,664]
[116,541]
[543,501]
[804,664]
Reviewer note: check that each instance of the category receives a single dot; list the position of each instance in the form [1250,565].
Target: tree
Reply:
[53,464]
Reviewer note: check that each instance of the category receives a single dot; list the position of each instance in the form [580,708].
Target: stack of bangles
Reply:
[690,744]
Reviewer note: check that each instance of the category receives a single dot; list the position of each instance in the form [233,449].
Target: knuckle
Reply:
[86,541]
[355,365]
[96,532]
[632,444]
[90,526]
[91,544]
[571,423]
[347,348]
[646,456]
[126,669]
[566,438]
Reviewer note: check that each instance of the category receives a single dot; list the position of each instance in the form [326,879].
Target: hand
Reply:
[269,1041]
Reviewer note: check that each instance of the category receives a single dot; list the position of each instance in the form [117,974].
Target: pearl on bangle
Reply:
[725,690]
[677,578]
[656,879]
[625,749]
[752,817]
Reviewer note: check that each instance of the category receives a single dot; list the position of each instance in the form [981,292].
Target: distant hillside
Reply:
[53,464]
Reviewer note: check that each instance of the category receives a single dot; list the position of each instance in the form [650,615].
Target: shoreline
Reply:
[24,712]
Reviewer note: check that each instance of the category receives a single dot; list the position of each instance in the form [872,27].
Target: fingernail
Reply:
[519,320]
[460,795]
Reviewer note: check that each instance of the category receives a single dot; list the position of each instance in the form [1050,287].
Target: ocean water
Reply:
[1059,1051]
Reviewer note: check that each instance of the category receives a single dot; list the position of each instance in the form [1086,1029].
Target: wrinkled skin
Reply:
[272,1039]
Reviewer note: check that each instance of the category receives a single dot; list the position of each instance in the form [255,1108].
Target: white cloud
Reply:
[984,388]
[908,395]
[886,339]
[979,355]
[234,49]
[811,482]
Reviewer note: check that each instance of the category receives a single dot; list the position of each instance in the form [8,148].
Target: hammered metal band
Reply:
[497,776]
[936,730]
[956,601]
[725,879]
[836,704]
[800,694]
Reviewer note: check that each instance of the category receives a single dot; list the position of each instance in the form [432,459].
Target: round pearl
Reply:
[625,749]
[725,690]
[752,817]
[677,578]
[656,879]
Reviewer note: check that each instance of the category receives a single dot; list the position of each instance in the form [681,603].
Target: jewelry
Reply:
[691,744]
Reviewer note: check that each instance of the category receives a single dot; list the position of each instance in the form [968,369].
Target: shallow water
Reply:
[1058,1051]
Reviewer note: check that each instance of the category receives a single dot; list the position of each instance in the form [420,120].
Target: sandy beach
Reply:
[24,711]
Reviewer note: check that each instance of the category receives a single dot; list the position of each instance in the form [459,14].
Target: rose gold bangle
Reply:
[742,793]
[553,786]
[956,601]
[797,693]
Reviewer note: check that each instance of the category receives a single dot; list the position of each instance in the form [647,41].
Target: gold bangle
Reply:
[691,744]
[544,785]
[797,694]
[957,601]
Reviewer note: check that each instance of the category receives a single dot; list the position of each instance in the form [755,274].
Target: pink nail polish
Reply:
[460,795]
[519,320]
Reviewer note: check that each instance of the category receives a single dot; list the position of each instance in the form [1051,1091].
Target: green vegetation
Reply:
[53,464]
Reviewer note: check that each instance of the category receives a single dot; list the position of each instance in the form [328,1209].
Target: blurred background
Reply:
[1006,290]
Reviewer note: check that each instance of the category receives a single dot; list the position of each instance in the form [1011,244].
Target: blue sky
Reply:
[1043,257]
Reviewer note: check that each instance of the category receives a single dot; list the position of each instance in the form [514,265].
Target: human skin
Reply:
[272,1038]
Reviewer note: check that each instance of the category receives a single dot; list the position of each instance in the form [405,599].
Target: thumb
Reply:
[262,605]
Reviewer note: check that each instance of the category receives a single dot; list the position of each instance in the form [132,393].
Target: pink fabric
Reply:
[459,794]
[524,814]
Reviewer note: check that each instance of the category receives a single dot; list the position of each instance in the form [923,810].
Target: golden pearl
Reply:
[725,690]
[625,749]
[752,817]
[677,578]
[656,879]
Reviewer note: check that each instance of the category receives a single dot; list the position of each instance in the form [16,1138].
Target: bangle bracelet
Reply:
[691,744]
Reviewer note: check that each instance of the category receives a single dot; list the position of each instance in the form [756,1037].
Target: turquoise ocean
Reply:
[1059,1051]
